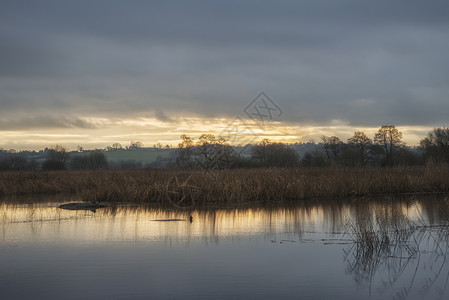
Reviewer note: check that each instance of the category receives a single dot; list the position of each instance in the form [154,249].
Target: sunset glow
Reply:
[151,131]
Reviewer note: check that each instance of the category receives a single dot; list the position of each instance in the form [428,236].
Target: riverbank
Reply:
[186,188]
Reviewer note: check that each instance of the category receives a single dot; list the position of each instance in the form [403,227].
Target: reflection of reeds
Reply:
[386,243]
[377,239]
[241,186]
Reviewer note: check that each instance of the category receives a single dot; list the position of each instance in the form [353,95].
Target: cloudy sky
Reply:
[93,73]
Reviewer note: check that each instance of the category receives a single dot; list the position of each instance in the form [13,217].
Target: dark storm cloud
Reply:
[362,62]
[21,122]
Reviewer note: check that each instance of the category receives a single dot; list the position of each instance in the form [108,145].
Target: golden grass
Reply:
[229,187]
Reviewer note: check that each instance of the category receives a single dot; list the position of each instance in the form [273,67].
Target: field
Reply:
[144,156]
[195,188]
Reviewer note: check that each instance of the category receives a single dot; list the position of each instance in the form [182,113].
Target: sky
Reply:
[94,73]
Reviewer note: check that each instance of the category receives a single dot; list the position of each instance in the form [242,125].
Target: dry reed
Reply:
[228,187]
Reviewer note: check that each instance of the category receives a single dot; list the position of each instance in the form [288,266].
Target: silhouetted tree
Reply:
[117,146]
[259,151]
[390,139]
[209,152]
[361,148]
[135,146]
[314,159]
[93,161]
[185,152]
[98,160]
[79,162]
[57,158]
[272,154]
[407,157]
[213,153]
[333,147]
[436,145]
[15,163]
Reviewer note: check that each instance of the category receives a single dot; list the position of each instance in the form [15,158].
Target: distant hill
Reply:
[145,157]
[137,158]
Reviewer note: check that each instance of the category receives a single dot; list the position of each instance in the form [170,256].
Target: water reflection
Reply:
[389,248]
[304,221]
[46,221]
[396,246]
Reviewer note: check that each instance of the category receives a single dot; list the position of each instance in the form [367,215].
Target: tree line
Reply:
[56,158]
[385,148]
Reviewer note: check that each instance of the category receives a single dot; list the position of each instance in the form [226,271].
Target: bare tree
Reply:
[390,138]
[98,160]
[436,144]
[213,152]
[208,152]
[333,147]
[363,146]
[185,152]
[272,154]
[135,146]
[57,158]
[94,160]
[117,146]
[260,151]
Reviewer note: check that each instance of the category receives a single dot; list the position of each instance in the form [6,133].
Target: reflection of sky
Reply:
[45,221]
[281,253]
[130,223]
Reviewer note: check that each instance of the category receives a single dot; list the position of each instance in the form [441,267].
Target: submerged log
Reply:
[81,206]
[168,220]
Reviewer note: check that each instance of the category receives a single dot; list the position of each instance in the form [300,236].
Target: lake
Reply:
[389,248]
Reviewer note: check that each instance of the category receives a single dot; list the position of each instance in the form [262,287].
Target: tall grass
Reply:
[228,187]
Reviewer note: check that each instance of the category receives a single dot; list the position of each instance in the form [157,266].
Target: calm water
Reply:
[313,250]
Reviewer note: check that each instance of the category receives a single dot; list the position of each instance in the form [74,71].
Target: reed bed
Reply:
[185,188]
